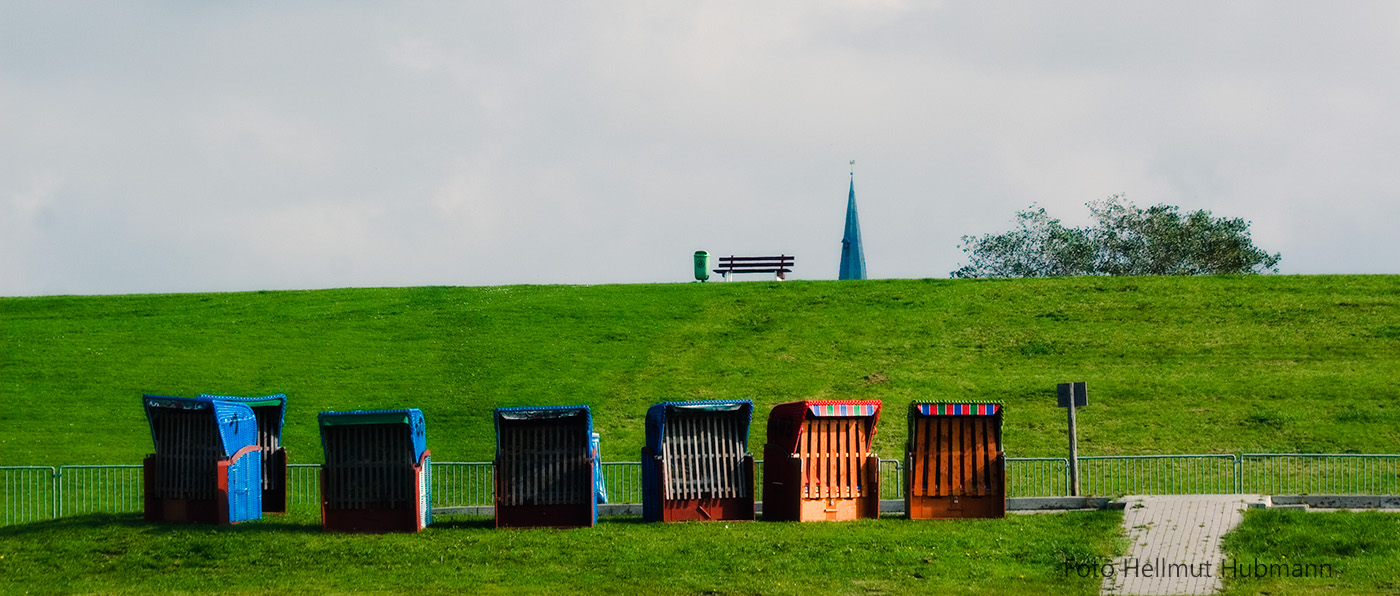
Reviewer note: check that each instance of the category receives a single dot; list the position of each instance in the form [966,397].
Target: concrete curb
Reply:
[1061,503]
[887,506]
[1307,502]
[1034,504]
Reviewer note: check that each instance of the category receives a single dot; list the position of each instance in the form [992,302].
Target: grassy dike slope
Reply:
[1174,365]
[104,554]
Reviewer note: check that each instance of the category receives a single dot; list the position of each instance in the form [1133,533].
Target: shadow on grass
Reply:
[625,520]
[481,522]
[90,521]
[273,524]
[474,522]
[135,521]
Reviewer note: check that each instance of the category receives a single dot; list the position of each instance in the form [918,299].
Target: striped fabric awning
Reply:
[843,409]
[958,409]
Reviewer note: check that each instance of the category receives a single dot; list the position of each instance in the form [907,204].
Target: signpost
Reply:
[1073,395]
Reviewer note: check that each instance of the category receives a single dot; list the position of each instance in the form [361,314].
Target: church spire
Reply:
[852,255]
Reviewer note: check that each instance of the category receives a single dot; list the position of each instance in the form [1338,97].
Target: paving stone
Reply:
[1174,543]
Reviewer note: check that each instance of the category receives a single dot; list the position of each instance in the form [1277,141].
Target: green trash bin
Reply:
[702,265]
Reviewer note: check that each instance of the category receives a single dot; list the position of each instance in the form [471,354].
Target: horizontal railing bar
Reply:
[788,258]
[1209,456]
[100,467]
[1380,455]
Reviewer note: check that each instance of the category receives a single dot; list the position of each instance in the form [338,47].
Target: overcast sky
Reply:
[206,146]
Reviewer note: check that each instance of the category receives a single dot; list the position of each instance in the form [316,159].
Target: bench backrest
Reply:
[757,264]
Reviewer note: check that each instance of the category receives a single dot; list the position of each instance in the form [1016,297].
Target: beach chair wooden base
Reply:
[544,516]
[675,510]
[182,511]
[956,507]
[191,510]
[370,520]
[839,509]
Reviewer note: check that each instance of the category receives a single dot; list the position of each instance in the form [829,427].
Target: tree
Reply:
[1126,240]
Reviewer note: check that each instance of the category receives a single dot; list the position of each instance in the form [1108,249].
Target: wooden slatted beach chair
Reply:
[377,471]
[696,464]
[547,472]
[817,464]
[207,465]
[955,466]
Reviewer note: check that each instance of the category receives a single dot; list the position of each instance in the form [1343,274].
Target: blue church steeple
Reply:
[852,255]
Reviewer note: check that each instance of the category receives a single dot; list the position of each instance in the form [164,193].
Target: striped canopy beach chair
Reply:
[954,464]
[817,464]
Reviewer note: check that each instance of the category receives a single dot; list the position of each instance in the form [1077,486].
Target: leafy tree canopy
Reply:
[1125,240]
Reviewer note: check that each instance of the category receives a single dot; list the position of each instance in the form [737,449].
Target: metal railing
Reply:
[38,493]
[1037,477]
[1158,475]
[1319,474]
[623,480]
[462,484]
[99,489]
[891,479]
[303,486]
[1025,477]
[459,484]
[27,494]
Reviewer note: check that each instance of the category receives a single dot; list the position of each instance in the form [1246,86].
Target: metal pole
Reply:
[1073,453]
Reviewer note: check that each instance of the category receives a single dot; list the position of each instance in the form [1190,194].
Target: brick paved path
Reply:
[1175,545]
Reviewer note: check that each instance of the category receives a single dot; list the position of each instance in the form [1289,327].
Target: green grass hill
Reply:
[1174,365]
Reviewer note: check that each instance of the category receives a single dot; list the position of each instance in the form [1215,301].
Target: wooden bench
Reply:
[780,265]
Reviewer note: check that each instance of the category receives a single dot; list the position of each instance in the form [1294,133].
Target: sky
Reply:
[205,147]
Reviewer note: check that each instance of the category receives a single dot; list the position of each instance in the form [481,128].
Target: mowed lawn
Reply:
[1361,552]
[1022,554]
[1174,365]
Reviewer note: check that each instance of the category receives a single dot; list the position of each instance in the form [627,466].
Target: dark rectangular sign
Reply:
[1081,394]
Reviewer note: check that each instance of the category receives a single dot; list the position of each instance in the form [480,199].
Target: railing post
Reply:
[57,491]
[1239,475]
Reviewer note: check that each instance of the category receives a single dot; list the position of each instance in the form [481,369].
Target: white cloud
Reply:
[252,136]
[486,143]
